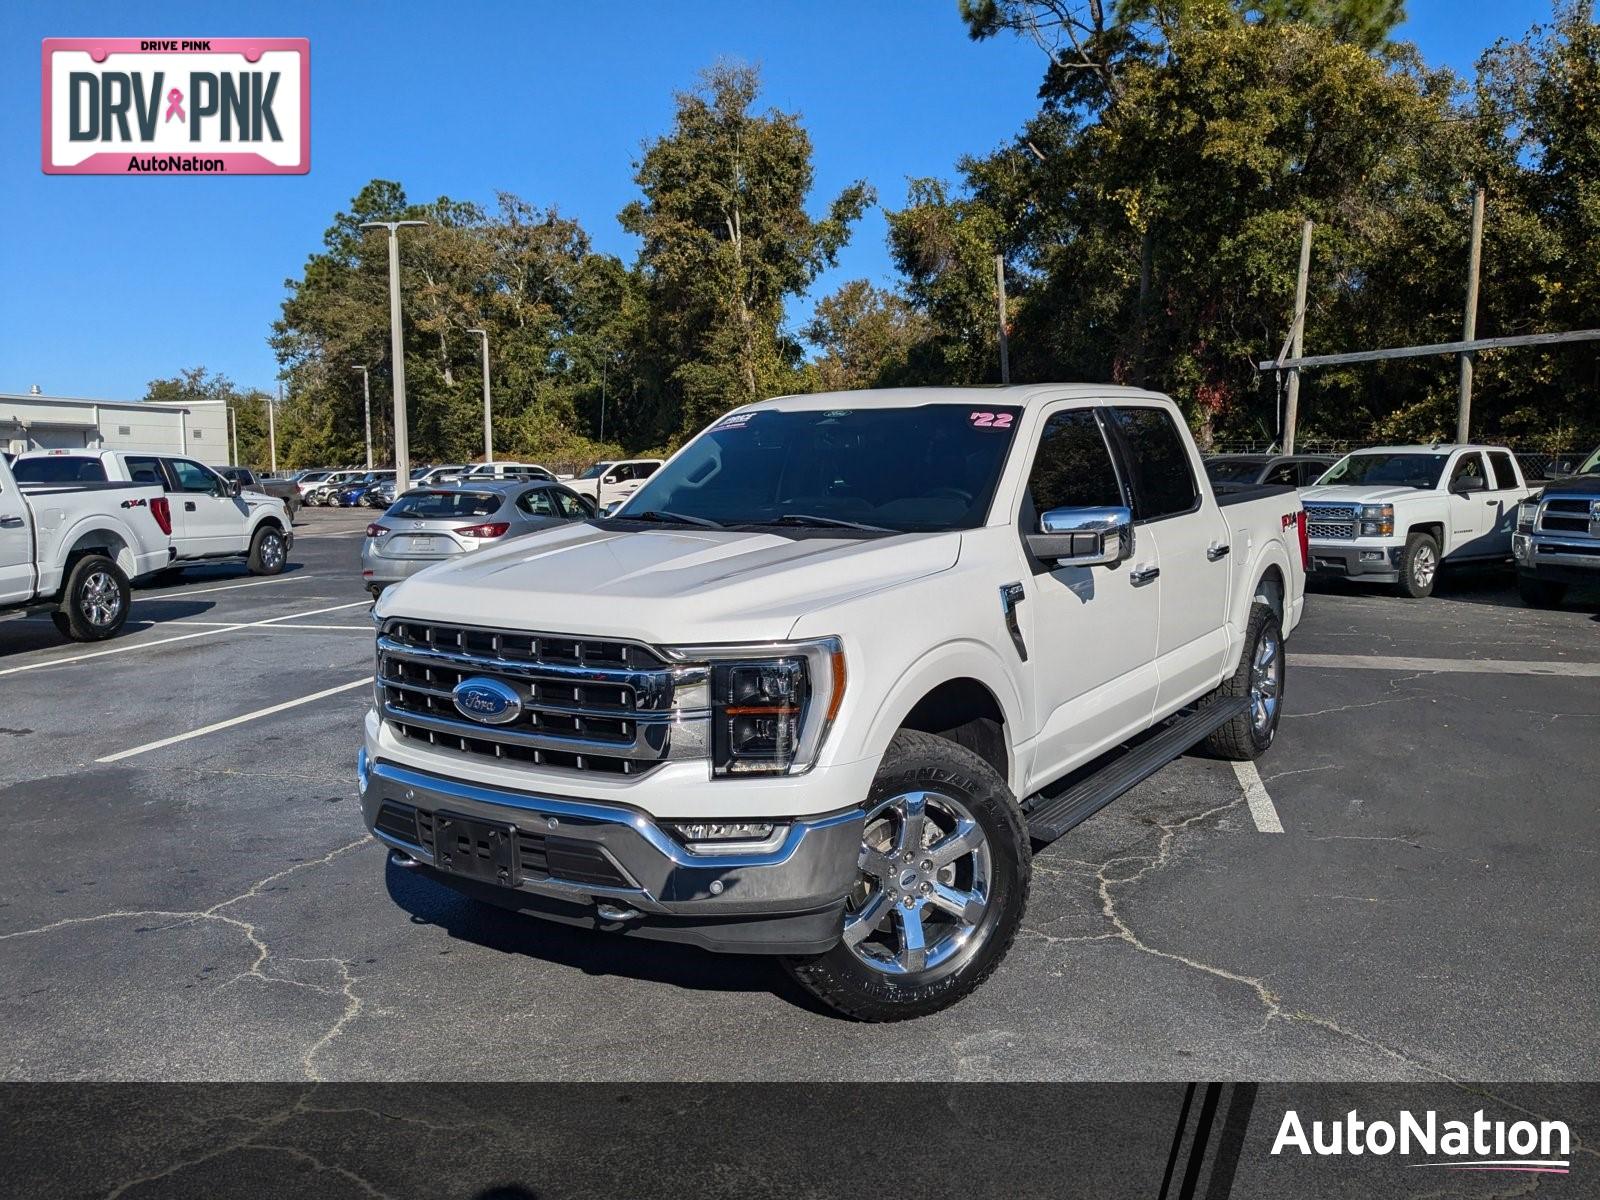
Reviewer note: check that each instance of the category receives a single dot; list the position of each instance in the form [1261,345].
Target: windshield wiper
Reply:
[832,522]
[658,514]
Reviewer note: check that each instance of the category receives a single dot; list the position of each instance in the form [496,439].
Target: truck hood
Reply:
[1354,493]
[664,586]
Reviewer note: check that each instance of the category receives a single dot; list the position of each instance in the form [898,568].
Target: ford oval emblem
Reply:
[487,701]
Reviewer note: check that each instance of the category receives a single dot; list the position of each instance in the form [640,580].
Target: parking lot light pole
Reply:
[402,453]
[488,421]
[366,403]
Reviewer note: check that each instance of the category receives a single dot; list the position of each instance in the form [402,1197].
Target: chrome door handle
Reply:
[10,522]
[1143,575]
[1218,551]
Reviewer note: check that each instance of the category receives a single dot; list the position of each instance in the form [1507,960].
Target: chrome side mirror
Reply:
[1084,537]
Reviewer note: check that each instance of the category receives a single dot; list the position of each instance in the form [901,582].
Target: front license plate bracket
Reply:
[481,849]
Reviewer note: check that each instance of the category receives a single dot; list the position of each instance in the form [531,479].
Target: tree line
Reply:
[1148,217]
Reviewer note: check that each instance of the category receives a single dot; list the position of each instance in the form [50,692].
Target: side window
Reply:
[1072,466]
[1505,474]
[644,470]
[1310,472]
[536,503]
[1288,473]
[192,477]
[571,506]
[1469,466]
[1164,478]
[146,470]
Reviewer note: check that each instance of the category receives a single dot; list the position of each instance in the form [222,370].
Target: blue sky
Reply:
[112,281]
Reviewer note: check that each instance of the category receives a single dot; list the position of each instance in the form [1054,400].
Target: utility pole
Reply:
[605,366]
[402,453]
[366,402]
[1291,404]
[488,421]
[1469,321]
[272,425]
[1000,301]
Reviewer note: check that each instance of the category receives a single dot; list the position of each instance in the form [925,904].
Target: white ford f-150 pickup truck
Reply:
[70,548]
[212,517]
[819,685]
[1392,514]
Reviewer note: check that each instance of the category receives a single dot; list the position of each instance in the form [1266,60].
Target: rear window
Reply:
[59,469]
[446,504]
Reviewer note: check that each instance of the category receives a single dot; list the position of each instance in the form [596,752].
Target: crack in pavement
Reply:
[354,1004]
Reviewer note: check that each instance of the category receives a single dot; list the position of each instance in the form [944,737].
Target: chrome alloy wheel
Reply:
[272,550]
[924,888]
[1423,566]
[1266,676]
[100,599]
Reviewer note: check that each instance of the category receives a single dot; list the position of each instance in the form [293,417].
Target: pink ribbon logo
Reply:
[175,106]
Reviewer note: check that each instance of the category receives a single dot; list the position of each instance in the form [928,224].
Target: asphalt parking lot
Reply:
[189,892]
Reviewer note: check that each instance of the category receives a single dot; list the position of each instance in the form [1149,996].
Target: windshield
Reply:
[1591,465]
[1232,470]
[59,469]
[595,471]
[426,505]
[1403,470]
[933,467]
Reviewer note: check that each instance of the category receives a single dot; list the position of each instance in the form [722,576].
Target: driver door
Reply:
[211,520]
[1089,631]
[1474,515]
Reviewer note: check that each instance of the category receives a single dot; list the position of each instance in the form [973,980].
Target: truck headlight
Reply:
[1526,512]
[1377,520]
[771,706]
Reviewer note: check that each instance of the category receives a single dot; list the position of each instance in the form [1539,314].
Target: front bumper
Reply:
[786,897]
[1557,559]
[1351,560]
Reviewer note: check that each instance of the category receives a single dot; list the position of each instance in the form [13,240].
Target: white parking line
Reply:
[1262,810]
[1461,666]
[232,721]
[183,637]
[362,629]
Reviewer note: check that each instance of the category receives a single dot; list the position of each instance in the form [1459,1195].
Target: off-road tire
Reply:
[1243,738]
[74,617]
[1421,548]
[1540,593]
[268,551]
[915,761]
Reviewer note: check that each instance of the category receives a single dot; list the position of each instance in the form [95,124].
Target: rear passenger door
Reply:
[16,543]
[1172,510]
[1504,497]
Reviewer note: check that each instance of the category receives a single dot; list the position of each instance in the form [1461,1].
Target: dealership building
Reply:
[197,428]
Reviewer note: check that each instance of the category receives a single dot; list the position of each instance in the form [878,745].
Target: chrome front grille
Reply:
[586,704]
[1568,515]
[1330,522]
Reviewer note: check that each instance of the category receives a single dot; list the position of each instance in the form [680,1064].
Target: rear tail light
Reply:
[163,514]
[376,530]
[489,529]
[1305,546]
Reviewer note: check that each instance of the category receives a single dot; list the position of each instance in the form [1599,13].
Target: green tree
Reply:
[866,336]
[248,408]
[726,241]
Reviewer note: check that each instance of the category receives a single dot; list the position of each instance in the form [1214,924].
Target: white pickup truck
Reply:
[1392,514]
[70,548]
[212,517]
[821,683]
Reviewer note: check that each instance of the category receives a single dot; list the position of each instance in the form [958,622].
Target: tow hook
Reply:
[401,859]
[616,914]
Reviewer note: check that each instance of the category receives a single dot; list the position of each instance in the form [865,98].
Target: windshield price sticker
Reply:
[176,106]
[991,420]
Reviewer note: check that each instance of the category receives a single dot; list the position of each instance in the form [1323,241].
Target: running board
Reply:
[1053,816]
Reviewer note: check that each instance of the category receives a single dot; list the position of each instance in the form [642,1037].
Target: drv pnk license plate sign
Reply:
[176,106]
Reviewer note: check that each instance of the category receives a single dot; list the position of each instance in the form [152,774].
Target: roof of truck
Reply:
[1427,448]
[1009,396]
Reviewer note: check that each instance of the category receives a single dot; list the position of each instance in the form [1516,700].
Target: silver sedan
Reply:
[430,525]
